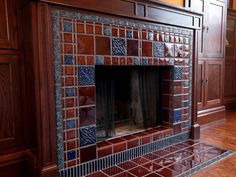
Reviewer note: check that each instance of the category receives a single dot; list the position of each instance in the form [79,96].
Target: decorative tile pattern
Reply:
[87,136]
[77,49]
[158,49]
[178,73]
[86,75]
[118,47]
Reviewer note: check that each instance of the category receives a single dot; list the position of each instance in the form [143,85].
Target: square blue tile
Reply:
[86,75]
[67,27]
[136,61]
[70,124]
[186,83]
[71,155]
[144,61]
[129,34]
[69,60]
[69,92]
[158,49]
[167,38]
[185,124]
[99,60]
[118,47]
[87,136]
[107,30]
[177,73]
[186,103]
[150,35]
[176,115]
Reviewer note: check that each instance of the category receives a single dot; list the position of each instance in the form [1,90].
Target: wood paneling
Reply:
[200,84]
[11,123]
[8,26]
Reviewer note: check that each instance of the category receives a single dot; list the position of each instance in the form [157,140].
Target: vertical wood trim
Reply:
[195,130]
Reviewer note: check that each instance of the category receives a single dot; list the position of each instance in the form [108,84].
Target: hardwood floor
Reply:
[222,134]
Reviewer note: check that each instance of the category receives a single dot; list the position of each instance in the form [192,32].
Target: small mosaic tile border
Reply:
[108,161]
[57,14]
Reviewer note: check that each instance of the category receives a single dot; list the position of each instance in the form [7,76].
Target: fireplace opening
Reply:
[128,99]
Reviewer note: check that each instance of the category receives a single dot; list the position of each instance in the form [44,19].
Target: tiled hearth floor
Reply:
[171,161]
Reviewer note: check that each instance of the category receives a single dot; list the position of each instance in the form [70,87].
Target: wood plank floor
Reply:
[221,134]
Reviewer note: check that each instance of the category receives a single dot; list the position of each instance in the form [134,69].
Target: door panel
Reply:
[215,29]
[11,123]
[214,82]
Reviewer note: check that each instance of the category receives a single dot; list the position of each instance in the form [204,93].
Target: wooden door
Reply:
[213,82]
[200,84]
[215,29]
[11,123]
[8,26]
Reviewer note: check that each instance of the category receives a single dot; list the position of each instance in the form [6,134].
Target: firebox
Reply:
[128,99]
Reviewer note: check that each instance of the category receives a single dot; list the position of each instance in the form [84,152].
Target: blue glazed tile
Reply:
[186,103]
[71,155]
[167,38]
[185,124]
[70,124]
[129,34]
[158,49]
[107,30]
[150,35]
[70,92]
[69,60]
[144,61]
[118,46]
[136,61]
[86,75]
[186,83]
[99,60]
[87,136]
[178,73]
[67,26]
[176,115]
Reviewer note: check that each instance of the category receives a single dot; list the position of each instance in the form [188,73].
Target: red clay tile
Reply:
[68,49]
[71,144]
[164,162]
[151,166]
[151,156]
[119,147]
[81,60]
[68,38]
[161,152]
[177,167]
[69,102]
[85,44]
[98,29]
[132,48]
[69,70]
[140,160]
[146,49]
[122,61]
[103,144]
[153,175]
[69,81]
[114,60]
[127,165]
[113,170]
[114,32]
[103,45]
[122,32]
[97,174]
[139,171]
[70,113]
[116,140]
[70,134]
[80,28]
[89,29]
[135,34]
[167,172]
[90,60]
[146,139]
[71,163]
[86,96]
[133,143]
[107,60]
[124,174]
[104,151]
[87,153]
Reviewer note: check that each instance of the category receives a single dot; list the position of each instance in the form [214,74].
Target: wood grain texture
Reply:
[8,30]
[222,134]
[11,122]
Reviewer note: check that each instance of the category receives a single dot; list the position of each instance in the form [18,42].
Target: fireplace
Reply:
[122,87]
[128,99]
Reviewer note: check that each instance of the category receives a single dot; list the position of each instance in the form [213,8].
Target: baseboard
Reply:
[211,115]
